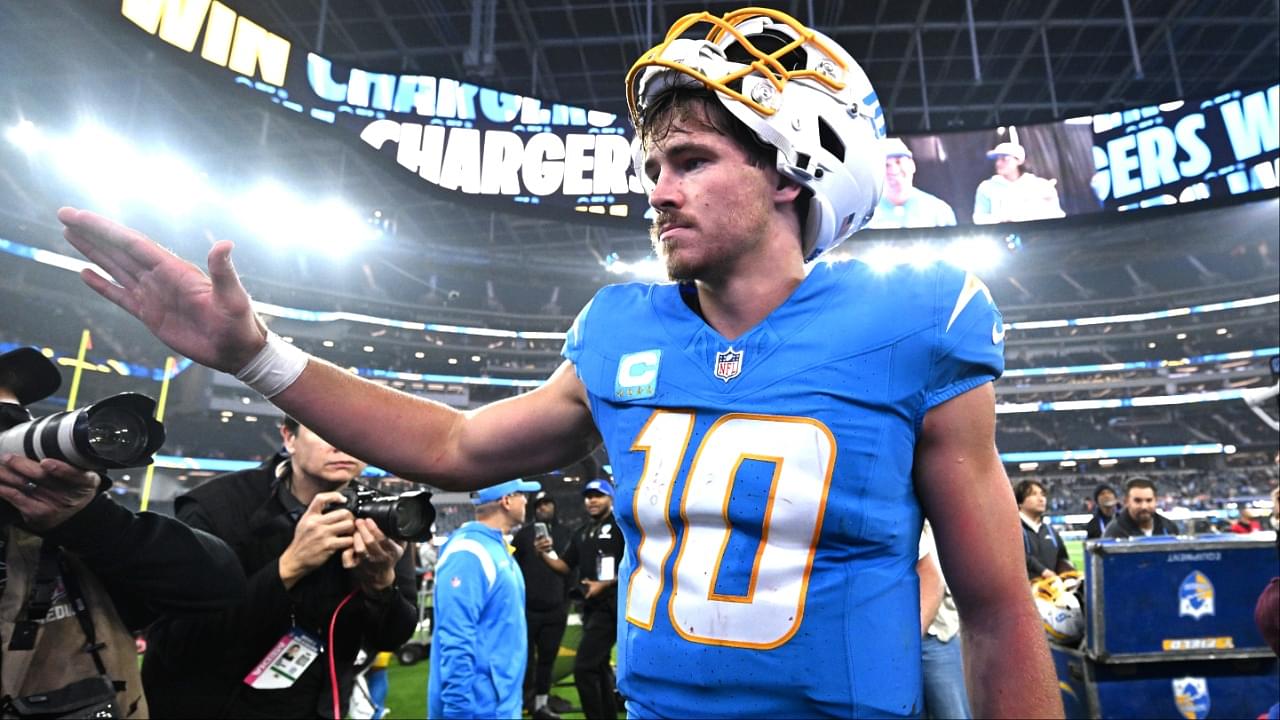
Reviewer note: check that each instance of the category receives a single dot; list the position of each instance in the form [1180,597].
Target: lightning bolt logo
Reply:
[972,286]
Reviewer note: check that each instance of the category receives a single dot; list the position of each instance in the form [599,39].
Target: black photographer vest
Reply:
[59,655]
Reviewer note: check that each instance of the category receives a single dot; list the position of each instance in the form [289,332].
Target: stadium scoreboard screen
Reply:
[499,148]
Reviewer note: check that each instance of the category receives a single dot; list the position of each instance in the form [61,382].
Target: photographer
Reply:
[305,566]
[80,574]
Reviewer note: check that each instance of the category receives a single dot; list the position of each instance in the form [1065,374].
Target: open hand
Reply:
[46,493]
[208,318]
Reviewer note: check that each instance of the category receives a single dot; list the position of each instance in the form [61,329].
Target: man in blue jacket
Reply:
[479,645]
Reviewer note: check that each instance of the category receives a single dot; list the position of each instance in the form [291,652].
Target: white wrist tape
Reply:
[274,368]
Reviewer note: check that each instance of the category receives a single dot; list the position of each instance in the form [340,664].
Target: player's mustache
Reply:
[665,219]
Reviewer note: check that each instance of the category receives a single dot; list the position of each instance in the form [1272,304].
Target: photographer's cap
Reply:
[543,497]
[29,374]
[501,490]
[598,485]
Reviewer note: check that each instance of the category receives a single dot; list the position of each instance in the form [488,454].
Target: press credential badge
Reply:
[286,662]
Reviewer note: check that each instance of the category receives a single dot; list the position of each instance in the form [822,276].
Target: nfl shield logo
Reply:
[1191,695]
[728,364]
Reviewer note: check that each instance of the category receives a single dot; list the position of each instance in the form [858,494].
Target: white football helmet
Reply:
[1059,608]
[799,92]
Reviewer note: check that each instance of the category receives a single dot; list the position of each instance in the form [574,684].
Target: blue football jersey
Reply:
[764,485]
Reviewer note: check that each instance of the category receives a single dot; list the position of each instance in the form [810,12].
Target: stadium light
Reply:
[264,209]
[975,254]
[335,229]
[26,136]
[921,255]
[98,162]
[170,185]
[114,172]
[883,258]
[650,268]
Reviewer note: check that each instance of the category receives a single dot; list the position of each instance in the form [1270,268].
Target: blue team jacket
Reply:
[478,641]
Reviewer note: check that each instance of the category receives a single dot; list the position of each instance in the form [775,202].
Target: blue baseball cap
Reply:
[501,490]
[598,485]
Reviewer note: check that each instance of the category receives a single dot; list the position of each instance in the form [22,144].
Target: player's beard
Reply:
[676,271]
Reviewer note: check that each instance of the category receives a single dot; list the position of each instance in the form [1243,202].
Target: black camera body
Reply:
[404,517]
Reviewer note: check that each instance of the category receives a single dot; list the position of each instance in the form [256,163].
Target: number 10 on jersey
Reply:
[802,452]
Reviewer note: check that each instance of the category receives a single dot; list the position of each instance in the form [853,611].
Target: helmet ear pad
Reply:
[832,153]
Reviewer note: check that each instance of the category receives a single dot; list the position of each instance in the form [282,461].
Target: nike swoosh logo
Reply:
[997,332]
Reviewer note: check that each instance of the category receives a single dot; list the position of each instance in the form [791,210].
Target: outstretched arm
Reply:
[967,499]
[210,319]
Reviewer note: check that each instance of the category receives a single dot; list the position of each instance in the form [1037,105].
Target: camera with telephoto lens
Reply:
[118,432]
[403,517]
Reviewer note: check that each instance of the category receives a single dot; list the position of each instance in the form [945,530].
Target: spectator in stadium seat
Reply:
[723,398]
[546,602]
[1012,194]
[1243,525]
[1139,517]
[479,640]
[1104,509]
[903,205]
[1045,552]
[315,573]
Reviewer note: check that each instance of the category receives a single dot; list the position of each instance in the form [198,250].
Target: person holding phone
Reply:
[596,552]
[546,609]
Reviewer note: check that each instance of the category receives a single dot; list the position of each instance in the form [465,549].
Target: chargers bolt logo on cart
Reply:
[637,375]
[1191,695]
[1195,596]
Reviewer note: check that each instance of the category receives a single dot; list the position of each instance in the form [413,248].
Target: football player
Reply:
[777,429]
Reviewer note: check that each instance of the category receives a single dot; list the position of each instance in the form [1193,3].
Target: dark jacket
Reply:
[1098,524]
[595,543]
[129,569]
[1044,549]
[144,561]
[1123,526]
[545,589]
[195,667]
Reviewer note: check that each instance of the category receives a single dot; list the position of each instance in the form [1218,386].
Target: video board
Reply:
[499,148]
